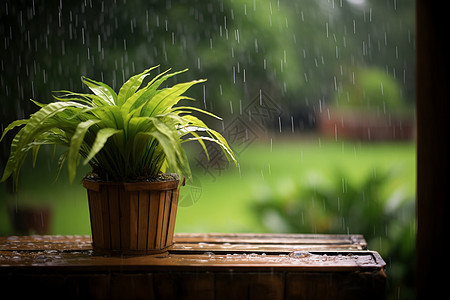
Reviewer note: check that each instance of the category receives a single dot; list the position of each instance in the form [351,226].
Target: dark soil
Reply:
[161,177]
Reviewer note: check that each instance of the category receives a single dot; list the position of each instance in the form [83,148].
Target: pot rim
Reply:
[95,185]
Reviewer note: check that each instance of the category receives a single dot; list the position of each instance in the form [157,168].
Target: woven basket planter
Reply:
[132,218]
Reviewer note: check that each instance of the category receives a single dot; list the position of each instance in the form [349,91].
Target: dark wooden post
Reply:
[433,97]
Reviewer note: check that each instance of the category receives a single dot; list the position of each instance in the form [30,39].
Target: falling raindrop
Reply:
[302,54]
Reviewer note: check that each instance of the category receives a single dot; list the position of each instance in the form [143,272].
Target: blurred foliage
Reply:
[371,89]
[376,206]
[300,52]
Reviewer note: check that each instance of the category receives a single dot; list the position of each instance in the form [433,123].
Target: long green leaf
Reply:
[200,141]
[131,86]
[100,89]
[220,140]
[102,136]
[188,109]
[36,125]
[38,103]
[110,116]
[147,154]
[89,99]
[144,94]
[171,144]
[61,160]
[225,148]
[65,96]
[75,144]
[13,125]
[167,98]
[197,125]
[139,124]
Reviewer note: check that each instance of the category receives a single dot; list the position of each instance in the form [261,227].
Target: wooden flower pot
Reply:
[132,218]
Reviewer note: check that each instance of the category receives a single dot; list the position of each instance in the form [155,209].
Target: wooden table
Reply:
[200,266]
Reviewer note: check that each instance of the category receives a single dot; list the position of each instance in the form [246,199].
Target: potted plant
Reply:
[129,139]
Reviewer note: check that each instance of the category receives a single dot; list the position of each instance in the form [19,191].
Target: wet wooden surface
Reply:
[200,266]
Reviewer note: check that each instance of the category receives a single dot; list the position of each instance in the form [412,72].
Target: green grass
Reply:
[225,201]
[225,204]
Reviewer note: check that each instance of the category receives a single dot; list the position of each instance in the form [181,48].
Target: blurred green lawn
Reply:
[223,201]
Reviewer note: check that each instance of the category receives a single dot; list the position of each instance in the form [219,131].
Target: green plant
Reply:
[132,135]
[371,88]
[376,206]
